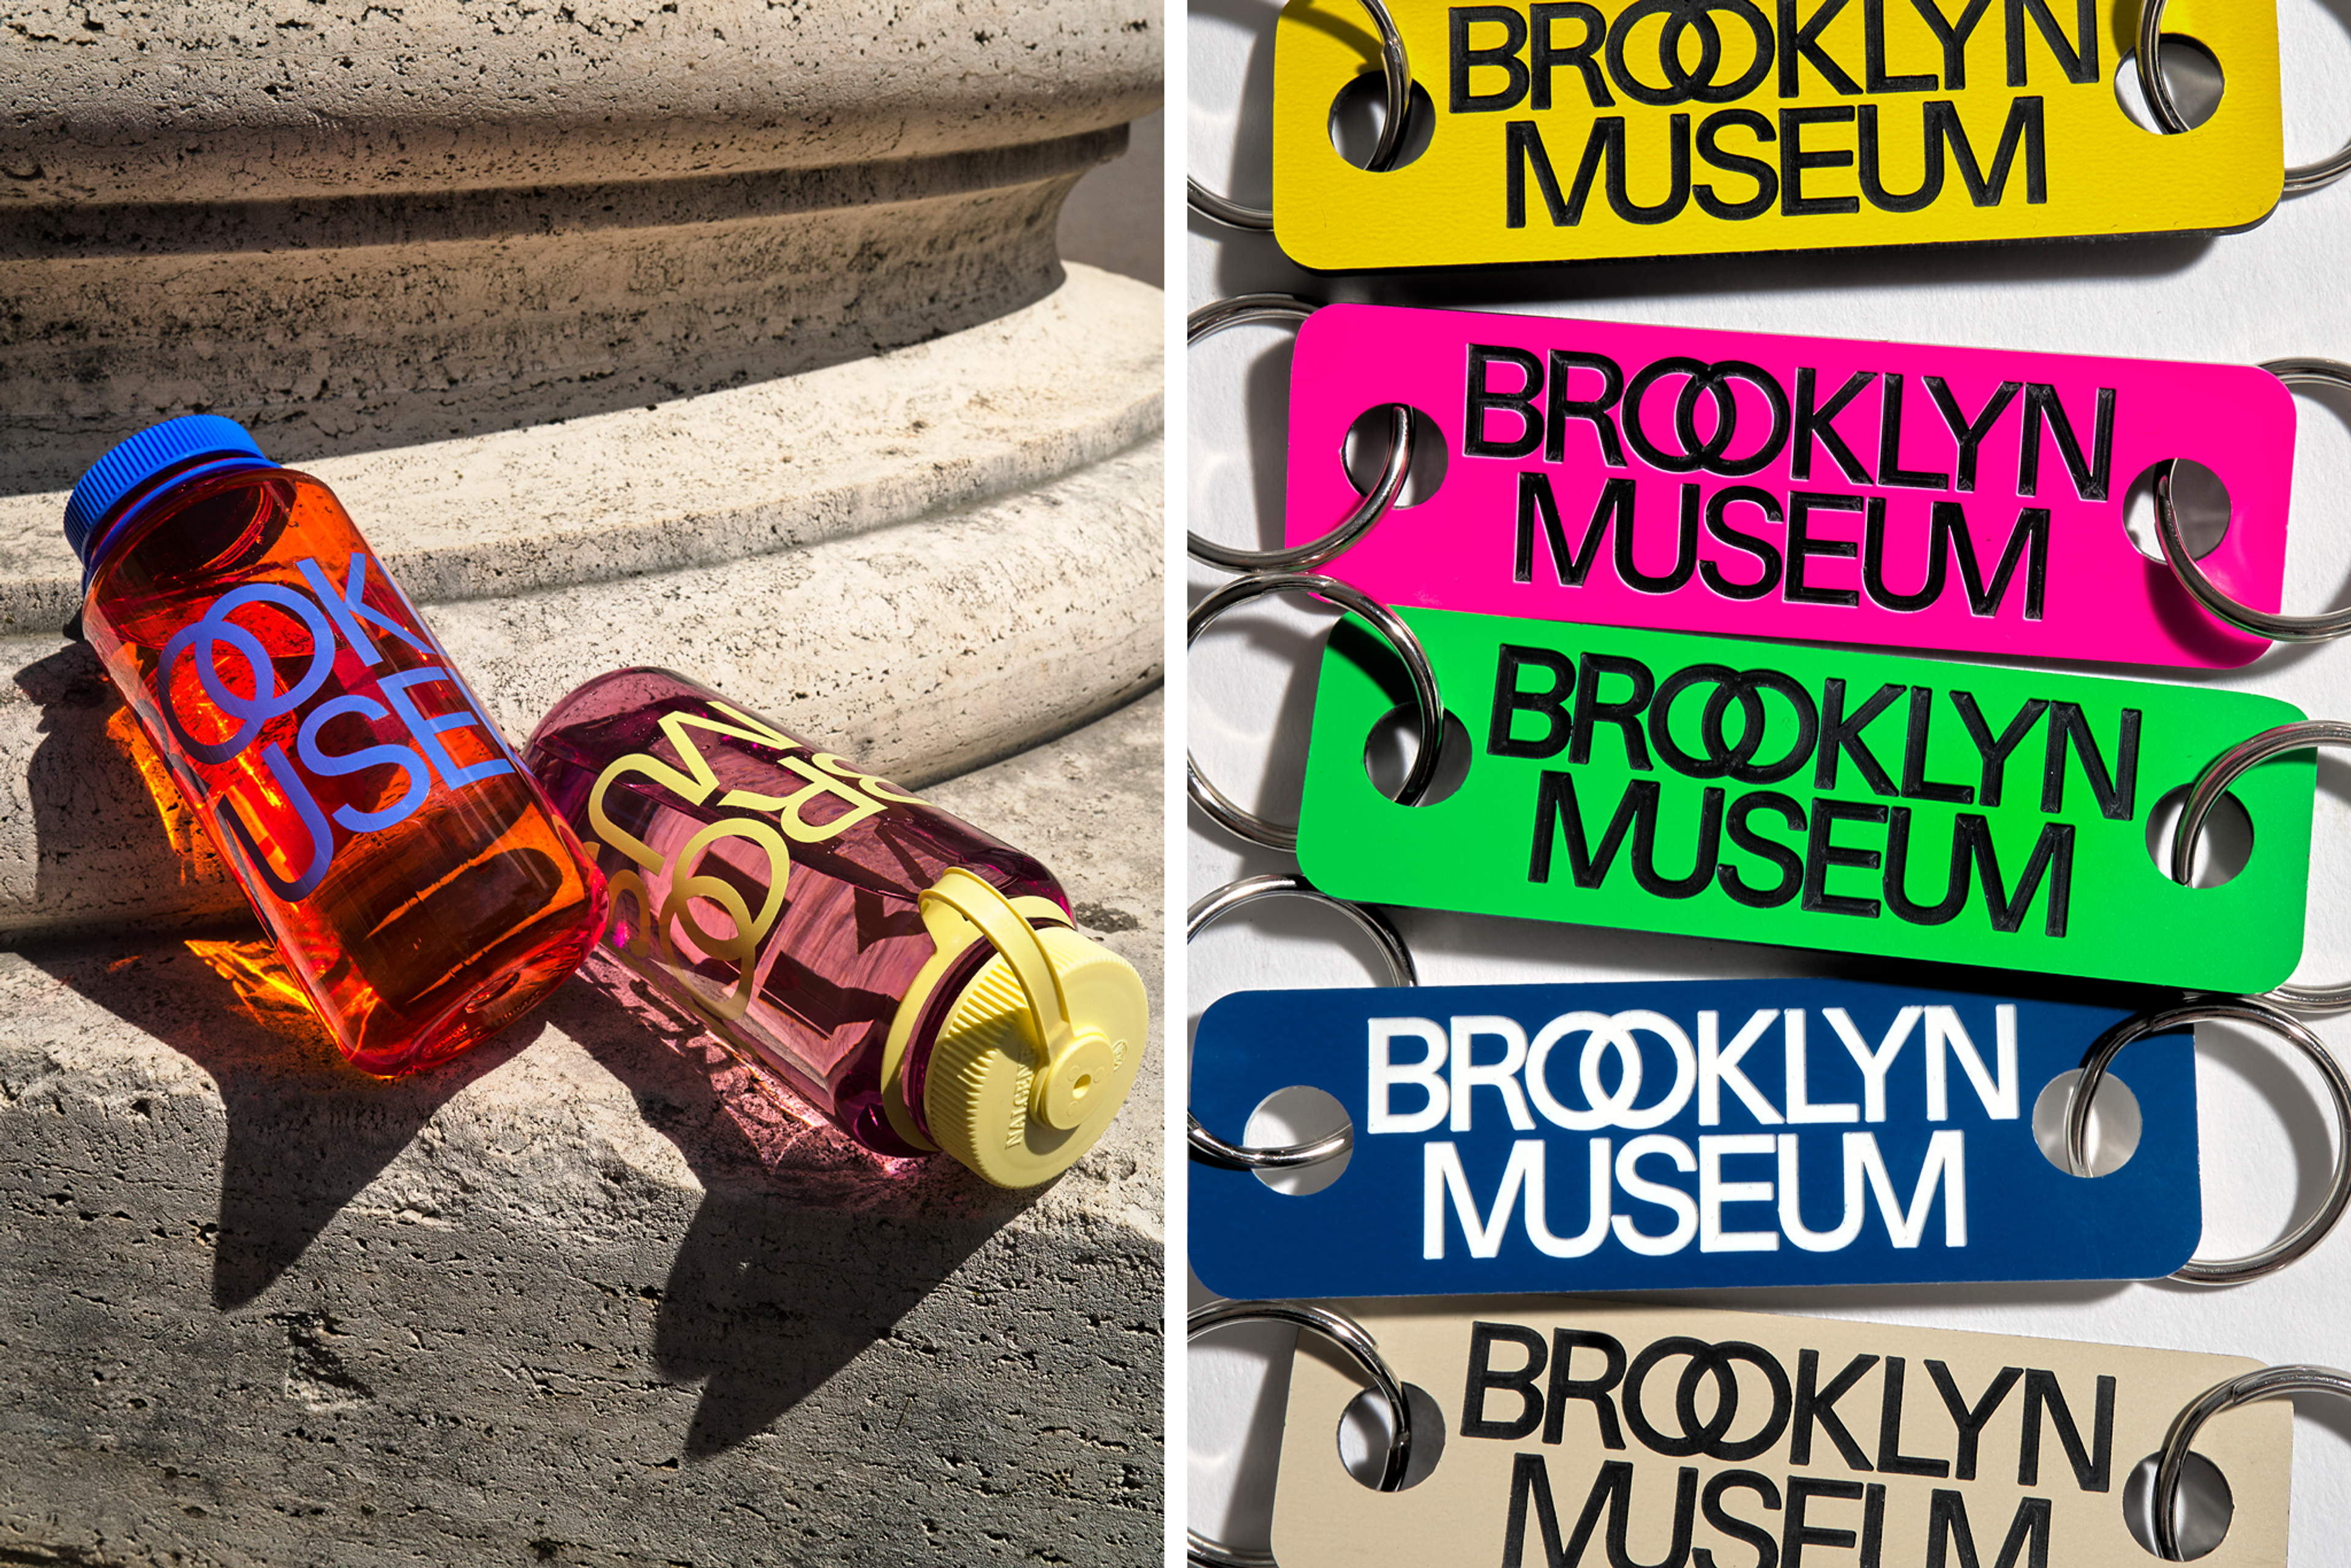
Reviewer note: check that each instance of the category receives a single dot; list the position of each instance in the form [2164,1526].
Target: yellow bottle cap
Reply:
[1037,1052]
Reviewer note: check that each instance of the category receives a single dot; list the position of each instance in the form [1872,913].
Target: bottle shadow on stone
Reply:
[116,847]
[306,1131]
[803,1248]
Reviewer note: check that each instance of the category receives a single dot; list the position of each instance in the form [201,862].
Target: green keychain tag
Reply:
[1814,796]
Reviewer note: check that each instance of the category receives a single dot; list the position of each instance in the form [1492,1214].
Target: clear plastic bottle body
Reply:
[772,888]
[406,861]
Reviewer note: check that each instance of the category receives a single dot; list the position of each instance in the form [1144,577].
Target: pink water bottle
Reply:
[917,981]
[408,865]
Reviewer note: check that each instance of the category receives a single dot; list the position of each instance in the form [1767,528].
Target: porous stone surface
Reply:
[808,546]
[918,650]
[359,226]
[696,481]
[581,1296]
[217,100]
[389,328]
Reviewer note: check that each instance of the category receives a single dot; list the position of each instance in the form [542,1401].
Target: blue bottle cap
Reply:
[133,463]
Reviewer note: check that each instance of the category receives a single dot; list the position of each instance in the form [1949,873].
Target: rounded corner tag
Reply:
[1571,1434]
[1815,797]
[1745,484]
[1633,1135]
[1581,132]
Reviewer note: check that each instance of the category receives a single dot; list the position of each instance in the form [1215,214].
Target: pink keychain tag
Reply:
[1759,486]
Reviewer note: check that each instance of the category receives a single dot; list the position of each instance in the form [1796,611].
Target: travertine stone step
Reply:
[577,1297]
[875,606]
[696,481]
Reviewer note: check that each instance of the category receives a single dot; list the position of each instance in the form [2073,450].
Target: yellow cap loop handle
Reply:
[1013,937]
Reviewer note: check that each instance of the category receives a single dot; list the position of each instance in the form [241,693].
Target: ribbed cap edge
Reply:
[133,463]
[977,1091]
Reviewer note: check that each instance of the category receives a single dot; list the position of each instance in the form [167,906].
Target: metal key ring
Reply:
[1348,1335]
[1212,1150]
[2233,1010]
[2158,92]
[2213,782]
[2260,623]
[1399,71]
[2312,1001]
[2243,1389]
[1245,310]
[1245,823]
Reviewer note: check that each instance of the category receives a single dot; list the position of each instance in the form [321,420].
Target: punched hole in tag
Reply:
[1360,110]
[2224,849]
[1395,742]
[1299,1115]
[2200,1515]
[2115,1122]
[2189,69]
[1365,452]
[2199,499]
[1366,1425]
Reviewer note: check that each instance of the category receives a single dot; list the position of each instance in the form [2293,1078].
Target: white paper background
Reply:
[2271,292]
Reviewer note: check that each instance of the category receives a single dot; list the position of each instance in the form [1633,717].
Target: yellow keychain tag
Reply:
[1574,130]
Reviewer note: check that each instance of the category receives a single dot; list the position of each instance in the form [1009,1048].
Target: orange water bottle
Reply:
[407,864]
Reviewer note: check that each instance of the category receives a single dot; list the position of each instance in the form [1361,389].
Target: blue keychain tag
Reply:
[1658,1134]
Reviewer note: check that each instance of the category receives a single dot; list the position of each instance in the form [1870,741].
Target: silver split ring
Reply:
[2158,92]
[2212,783]
[1348,1335]
[2235,1009]
[2266,1384]
[1398,71]
[1238,819]
[1212,1150]
[1246,309]
[2260,623]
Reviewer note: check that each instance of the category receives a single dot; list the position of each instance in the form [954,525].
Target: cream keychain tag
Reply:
[1643,1436]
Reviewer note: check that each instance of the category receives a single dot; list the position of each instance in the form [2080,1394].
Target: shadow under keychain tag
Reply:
[1807,487]
[1823,798]
[1646,1435]
[1658,1134]
[1638,127]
